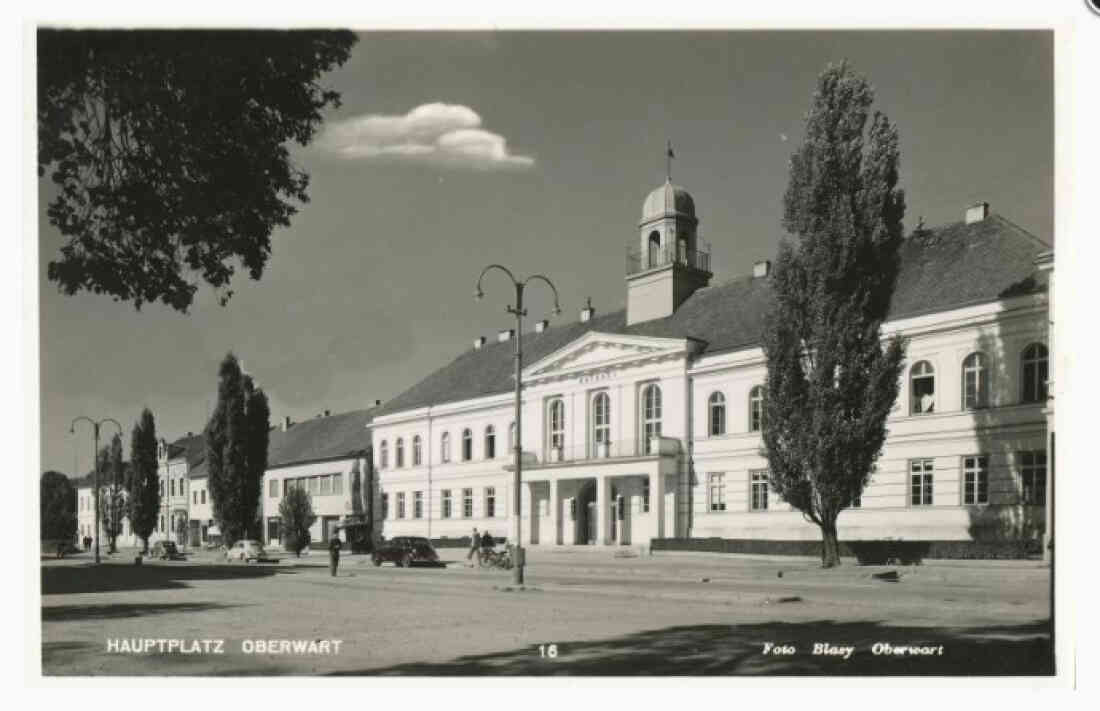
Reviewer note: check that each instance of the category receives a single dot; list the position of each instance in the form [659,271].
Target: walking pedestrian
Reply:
[475,546]
[334,553]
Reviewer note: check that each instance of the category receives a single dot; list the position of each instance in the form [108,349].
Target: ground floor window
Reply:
[976,480]
[490,501]
[920,482]
[385,506]
[418,504]
[446,498]
[467,503]
[716,492]
[645,496]
[401,505]
[758,483]
[274,530]
[1033,477]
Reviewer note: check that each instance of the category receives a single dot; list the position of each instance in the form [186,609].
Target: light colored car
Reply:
[246,549]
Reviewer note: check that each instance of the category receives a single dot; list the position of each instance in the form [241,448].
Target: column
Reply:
[532,514]
[603,506]
[657,503]
[555,515]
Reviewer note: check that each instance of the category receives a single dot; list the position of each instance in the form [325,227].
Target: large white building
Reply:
[645,423]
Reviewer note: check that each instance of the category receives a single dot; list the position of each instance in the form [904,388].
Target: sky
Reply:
[534,150]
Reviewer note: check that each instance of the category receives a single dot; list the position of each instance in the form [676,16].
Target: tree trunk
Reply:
[830,547]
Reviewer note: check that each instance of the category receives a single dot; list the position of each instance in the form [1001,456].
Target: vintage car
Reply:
[404,551]
[165,550]
[247,550]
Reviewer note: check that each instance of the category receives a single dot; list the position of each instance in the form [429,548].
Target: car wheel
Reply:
[376,560]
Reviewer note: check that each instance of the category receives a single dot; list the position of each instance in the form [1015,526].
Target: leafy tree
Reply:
[296,512]
[831,380]
[113,498]
[57,501]
[143,484]
[236,450]
[170,152]
[356,490]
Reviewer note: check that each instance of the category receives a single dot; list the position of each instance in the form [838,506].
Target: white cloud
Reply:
[449,134]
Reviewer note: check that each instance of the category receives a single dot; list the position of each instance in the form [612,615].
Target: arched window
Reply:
[445,447]
[651,417]
[653,253]
[490,442]
[1035,373]
[399,452]
[922,388]
[467,445]
[717,411]
[601,421]
[756,409]
[975,385]
[383,455]
[417,451]
[557,424]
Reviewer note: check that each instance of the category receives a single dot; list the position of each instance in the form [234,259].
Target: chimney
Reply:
[587,312]
[286,423]
[761,269]
[327,413]
[542,326]
[977,212]
[190,433]
[479,342]
[506,335]
[377,403]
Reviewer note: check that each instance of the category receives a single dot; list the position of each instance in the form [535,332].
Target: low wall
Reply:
[889,549]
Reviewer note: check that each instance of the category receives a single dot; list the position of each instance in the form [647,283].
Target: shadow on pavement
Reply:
[70,579]
[705,650]
[69,613]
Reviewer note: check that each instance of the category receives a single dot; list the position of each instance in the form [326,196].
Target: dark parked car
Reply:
[403,551]
[165,550]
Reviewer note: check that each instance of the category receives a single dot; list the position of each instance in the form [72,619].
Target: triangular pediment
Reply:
[595,350]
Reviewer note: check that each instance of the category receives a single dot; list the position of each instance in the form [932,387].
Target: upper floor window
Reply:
[490,442]
[467,445]
[1035,373]
[273,489]
[445,447]
[717,410]
[399,452]
[467,503]
[490,501]
[557,424]
[651,417]
[401,504]
[975,382]
[601,420]
[418,504]
[383,455]
[1033,477]
[418,455]
[756,409]
[922,388]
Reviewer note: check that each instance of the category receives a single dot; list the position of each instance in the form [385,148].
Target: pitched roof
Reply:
[192,448]
[341,435]
[942,268]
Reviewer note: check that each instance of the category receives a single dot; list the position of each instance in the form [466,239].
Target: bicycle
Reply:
[492,558]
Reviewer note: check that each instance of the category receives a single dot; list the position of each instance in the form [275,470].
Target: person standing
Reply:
[334,553]
[475,546]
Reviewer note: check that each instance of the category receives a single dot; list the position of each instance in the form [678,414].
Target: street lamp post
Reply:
[517,480]
[95,465]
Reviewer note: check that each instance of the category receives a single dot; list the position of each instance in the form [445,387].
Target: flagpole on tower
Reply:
[668,162]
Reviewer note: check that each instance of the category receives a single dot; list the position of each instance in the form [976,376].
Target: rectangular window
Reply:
[194,497]
[162,524]
[446,498]
[273,488]
[920,482]
[490,501]
[326,485]
[202,496]
[287,486]
[401,504]
[645,496]
[976,480]
[313,485]
[467,503]
[172,484]
[716,492]
[1033,477]
[758,482]
[385,506]
[418,504]
[337,483]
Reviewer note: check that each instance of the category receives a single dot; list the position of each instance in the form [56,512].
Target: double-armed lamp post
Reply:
[519,311]
[95,465]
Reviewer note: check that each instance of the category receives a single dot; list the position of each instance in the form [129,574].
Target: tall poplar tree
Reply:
[356,490]
[114,499]
[831,379]
[236,451]
[143,485]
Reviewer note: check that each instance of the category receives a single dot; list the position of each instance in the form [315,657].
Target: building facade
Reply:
[645,423]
